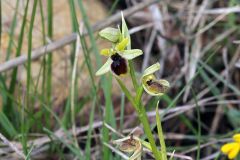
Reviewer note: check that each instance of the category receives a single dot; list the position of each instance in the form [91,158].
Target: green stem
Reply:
[139,95]
[49,59]
[127,93]
[133,76]
[160,135]
[144,119]
[142,115]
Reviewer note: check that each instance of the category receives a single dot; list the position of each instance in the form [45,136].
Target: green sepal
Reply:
[105,68]
[131,54]
[111,34]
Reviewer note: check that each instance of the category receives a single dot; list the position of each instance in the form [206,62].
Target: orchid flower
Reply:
[118,55]
[150,83]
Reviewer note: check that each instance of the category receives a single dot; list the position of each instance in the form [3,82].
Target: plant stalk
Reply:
[142,116]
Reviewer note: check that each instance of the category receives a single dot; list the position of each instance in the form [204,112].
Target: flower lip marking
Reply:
[156,87]
[119,64]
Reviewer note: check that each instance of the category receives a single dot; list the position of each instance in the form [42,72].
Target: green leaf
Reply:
[130,54]
[7,125]
[105,68]
[160,135]
[111,34]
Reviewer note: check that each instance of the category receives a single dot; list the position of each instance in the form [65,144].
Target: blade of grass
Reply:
[107,115]
[215,91]
[7,126]
[16,101]
[12,31]
[49,57]
[113,7]
[0,24]
[29,62]
[74,27]
[44,96]
[85,50]
[219,77]
[3,90]
[160,135]
[90,32]
[199,125]
[28,103]
[106,151]
[28,156]
[70,147]
[9,108]
[66,132]
[91,119]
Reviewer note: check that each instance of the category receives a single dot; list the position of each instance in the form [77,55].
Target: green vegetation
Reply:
[90,100]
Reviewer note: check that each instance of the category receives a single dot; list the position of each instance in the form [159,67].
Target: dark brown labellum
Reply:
[119,65]
[156,87]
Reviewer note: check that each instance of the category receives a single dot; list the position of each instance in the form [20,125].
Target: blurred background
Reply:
[48,113]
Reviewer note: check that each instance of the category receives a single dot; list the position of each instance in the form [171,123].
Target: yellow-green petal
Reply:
[165,83]
[150,70]
[122,45]
[106,52]
[130,54]
[105,68]
[111,34]
[236,137]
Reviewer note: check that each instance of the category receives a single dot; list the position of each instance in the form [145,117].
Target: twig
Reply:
[220,110]
[116,151]
[38,52]
[77,50]
[5,141]
[72,37]
[205,145]
[235,9]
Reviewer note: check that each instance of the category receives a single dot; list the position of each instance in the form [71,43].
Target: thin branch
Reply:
[8,143]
